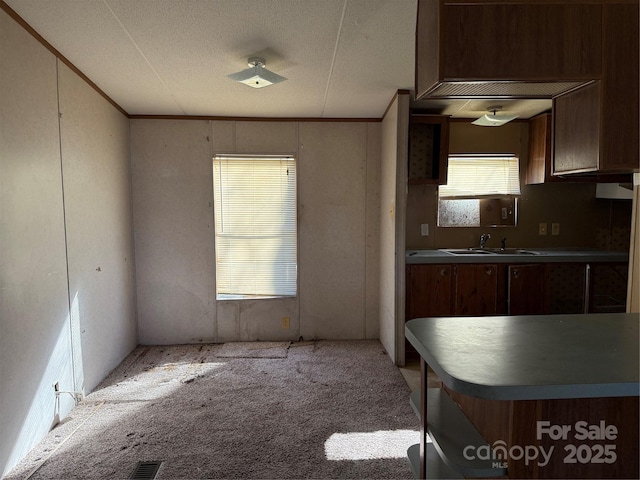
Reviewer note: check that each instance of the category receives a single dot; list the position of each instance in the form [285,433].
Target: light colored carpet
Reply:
[324,410]
[251,350]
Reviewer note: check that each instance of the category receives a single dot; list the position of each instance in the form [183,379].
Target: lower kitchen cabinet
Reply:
[476,289]
[442,290]
[566,288]
[525,289]
[429,291]
[446,290]
[608,287]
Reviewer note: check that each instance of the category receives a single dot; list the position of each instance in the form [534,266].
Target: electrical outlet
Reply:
[555,229]
[424,229]
[542,229]
[285,323]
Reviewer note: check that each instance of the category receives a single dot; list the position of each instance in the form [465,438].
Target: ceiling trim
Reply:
[12,13]
[252,119]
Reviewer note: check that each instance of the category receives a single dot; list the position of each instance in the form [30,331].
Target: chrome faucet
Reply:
[483,239]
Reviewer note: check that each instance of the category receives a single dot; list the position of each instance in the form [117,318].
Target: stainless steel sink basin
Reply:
[489,251]
[514,251]
[469,251]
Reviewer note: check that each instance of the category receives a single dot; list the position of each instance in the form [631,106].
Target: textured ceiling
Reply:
[342,58]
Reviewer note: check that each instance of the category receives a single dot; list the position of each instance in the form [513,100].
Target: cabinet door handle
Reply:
[516,273]
[444,272]
[489,271]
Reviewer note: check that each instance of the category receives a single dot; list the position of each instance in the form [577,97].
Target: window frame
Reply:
[290,206]
[479,205]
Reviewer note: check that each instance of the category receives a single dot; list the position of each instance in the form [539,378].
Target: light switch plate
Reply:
[424,229]
[542,229]
[555,229]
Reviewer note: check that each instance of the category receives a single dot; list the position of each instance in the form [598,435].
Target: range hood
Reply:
[614,191]
[499,89]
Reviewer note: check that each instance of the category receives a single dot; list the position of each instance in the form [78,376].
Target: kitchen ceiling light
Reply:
[492,119]
[257,76]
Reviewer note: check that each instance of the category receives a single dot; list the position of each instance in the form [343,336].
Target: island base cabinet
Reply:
[560,438]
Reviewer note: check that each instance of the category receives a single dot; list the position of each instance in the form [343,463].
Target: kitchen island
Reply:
[531,396]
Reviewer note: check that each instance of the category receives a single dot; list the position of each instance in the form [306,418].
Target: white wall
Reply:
[173,201]
[393,193]
[48,334]
[98,215]
[173,217]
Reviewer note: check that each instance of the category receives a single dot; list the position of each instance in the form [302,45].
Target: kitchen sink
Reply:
[514,251]
[469,251]
[490,251]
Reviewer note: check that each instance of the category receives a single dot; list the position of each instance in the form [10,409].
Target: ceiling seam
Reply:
[333,59]
[143,56]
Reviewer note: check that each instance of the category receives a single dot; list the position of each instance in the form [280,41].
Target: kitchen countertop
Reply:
[525,357]
[441,256]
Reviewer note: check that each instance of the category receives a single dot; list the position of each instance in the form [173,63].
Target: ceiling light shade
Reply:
[492,119]
[257,76]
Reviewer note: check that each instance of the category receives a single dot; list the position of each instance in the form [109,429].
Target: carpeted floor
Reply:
[274,410]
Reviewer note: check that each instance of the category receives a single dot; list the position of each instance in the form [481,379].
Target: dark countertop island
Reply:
[520,379]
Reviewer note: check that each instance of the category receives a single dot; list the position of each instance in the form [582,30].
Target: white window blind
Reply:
[256,231]
[481,175]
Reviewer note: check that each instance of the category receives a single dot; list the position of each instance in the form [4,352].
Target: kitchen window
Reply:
[255,226]
[481,190]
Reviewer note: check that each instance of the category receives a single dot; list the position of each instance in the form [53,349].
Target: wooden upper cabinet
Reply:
[577,131]
[539,161]
[620,85]
[523,41]
[428,149]
[596,128]
[571,132]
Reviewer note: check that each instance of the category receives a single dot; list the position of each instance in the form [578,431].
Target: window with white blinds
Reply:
[475,176]
[256,231]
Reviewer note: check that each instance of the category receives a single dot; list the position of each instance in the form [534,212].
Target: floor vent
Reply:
[145,471]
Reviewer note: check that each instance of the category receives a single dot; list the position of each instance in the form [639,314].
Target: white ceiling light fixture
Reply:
[492,119]
[257,76]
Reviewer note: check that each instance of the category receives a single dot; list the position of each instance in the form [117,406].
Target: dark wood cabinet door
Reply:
[577,131]
[620,88]
[429,291]
[539,163]
[566,285]
[476,289]
[428,149]
[519,41]
[608,287]
[525,287]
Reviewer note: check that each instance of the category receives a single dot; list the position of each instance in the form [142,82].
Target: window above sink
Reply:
[481,190]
